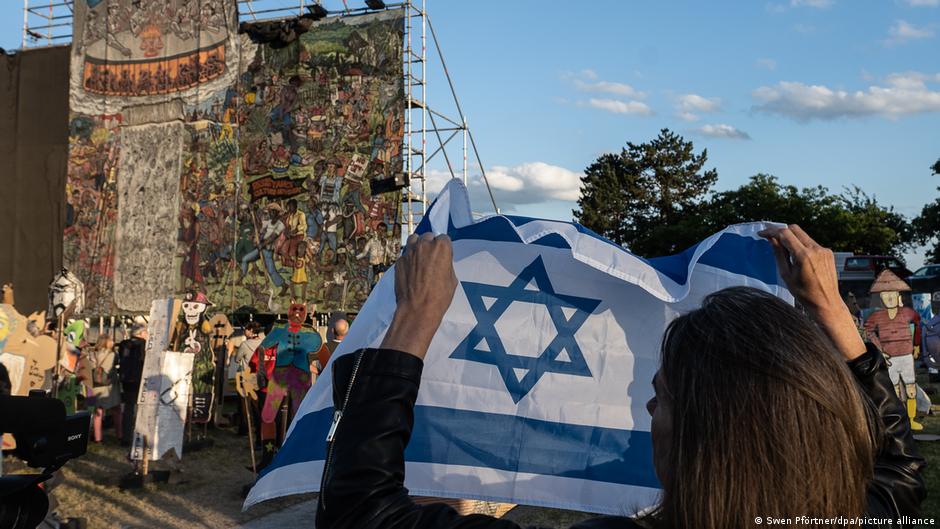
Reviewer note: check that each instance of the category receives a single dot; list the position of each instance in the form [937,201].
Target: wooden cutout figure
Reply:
[221,331]
[292,344]
[70,386]
[890,330]
[192,335]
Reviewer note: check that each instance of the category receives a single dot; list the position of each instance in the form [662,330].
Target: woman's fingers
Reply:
[782,257]
[793,246]
[802,236]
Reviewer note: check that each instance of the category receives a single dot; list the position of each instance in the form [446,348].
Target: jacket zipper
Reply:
[337,415]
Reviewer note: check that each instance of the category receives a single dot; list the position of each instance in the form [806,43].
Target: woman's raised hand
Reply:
[424,287]
[809,271]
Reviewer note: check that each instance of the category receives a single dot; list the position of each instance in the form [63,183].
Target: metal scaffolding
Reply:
[49,22]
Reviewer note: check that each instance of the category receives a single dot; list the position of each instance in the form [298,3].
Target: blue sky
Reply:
[827,92]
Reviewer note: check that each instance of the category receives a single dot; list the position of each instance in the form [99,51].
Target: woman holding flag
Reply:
[762,413]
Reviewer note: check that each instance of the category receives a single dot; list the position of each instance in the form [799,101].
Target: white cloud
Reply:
[721,130]
[818,4]
[902,94]
[923,3]
[589,74]
[688,104]
[624,102]
[609,87]
[588,81]
[527,183]
[617,106]
[768,64]
[902,31]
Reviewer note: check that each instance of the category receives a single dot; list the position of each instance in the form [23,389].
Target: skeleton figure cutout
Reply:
[193,336]
[890,330]
[291,345]
[65,289]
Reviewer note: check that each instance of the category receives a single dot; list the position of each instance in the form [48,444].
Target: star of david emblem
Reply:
[520,373]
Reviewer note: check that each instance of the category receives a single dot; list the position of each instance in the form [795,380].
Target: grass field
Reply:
[931,452]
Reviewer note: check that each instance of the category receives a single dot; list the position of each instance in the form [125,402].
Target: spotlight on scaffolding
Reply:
[317,11]
[375,4]
[386,184]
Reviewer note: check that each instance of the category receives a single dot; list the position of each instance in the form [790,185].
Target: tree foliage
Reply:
[658,203]
[630,197]
[926,226]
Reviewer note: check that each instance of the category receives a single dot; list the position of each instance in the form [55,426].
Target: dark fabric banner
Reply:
[34,139]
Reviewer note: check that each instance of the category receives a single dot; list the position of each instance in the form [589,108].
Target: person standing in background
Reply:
[131,366]
[104,387]
[340,328]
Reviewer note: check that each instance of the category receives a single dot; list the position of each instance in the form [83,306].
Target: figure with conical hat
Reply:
[890,330]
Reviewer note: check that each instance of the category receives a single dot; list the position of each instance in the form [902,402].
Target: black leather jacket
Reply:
[363,479]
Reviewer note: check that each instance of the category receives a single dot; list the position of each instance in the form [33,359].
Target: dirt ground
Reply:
[204,490]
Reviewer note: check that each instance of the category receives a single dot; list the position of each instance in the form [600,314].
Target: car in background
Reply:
[926,279]
[867,267]
[858,272]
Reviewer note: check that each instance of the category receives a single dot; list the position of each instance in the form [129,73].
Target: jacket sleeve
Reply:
[363,477]
[871,331]
[898,485]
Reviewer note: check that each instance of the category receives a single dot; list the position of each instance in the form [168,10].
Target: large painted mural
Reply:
[201,161]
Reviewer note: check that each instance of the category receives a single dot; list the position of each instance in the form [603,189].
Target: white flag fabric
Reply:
[535,385]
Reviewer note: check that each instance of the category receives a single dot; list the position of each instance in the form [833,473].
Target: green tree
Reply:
[851,221]
[639,197]
[926,226]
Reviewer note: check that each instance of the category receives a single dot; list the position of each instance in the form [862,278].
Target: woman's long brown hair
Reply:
[767,420]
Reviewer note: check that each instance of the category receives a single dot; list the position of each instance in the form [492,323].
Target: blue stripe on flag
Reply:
[731,252]
[503,442]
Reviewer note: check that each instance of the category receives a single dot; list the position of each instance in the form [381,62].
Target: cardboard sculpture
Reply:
[192,335]
[284,359]
[27,358]
[890,330]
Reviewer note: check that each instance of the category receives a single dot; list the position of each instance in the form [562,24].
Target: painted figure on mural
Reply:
[193,335]
[890,329]
[293,345]
[308,129]
[188,237]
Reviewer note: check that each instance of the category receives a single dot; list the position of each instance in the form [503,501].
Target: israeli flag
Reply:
[534,387]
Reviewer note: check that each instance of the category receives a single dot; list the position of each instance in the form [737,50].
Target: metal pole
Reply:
[424,105]
[453,92]
[465,151]
[408,121]
[25,21]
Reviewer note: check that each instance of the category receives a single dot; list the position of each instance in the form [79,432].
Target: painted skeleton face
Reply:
[297,313]
[65,289]
[193,311]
